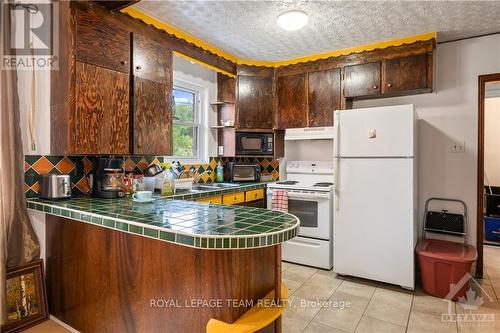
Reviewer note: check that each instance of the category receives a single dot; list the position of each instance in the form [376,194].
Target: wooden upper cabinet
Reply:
[255,102]
[406,74]
[152,117]
[101,110]
[151,60]
[324,96]
[362,80]
[292,101]
[152,81]
[101,42]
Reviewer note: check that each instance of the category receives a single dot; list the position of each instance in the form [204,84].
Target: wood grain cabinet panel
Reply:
[405,74]
[100,42]
[152,117]
[362,80]
[101,111]
[255,102]
[151,60]
[324,96]
[292,101]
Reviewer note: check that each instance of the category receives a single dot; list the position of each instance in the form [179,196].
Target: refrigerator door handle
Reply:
[336,151]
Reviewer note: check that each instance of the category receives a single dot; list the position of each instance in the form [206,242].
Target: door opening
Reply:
[489,87]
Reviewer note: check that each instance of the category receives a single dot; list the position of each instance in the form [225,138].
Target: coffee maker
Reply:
[109,178]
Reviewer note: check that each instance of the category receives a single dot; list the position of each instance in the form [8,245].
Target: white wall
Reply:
[450,114]
[194,74]
[492,141]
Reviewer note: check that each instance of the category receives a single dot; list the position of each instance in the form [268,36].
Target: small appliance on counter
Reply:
[109,178]
[243,172]
[55,187]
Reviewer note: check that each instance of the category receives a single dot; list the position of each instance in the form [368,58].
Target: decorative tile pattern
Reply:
[79,167]
[187,223]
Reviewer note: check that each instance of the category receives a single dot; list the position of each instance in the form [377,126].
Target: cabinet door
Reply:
[324,96]
[152,117]
[255,102]
[362,80]
[292,101]
[404,74]
[101,111]
[101,42]
[151,60]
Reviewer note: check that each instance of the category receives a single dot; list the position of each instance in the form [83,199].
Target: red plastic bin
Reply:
[443,263]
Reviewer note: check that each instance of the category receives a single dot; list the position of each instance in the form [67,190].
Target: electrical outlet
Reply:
[457,147]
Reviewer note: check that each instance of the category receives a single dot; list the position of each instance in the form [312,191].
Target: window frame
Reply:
[198,120]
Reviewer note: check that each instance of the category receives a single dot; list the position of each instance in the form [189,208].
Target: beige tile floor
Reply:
[375,307]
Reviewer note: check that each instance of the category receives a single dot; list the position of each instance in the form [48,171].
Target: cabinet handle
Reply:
[375,87]
[123,62]
[138,67]
[389,85]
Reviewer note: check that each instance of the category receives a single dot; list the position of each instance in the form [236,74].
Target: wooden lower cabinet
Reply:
[233,198]
[101,110]
[131,283]
[212,200]
[254,195]
[152,117]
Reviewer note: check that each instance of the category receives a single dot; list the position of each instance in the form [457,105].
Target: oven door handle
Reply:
[303,195]
[302,242]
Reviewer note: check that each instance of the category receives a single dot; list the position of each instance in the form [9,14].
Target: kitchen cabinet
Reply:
[152,120]
[212,200]
[362,80]
[233,198]
[405,74]
[292,101]
[255,102]
[152,84]
[254,195]
[323,96]
[101,110]
[100,42]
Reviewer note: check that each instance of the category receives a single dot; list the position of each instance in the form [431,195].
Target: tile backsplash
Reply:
[79,167]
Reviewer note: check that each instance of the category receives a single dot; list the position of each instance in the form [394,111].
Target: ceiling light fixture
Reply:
[292,20]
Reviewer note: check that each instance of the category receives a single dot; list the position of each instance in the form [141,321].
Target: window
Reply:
[186,123]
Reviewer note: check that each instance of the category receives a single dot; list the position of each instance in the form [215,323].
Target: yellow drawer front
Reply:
[233,198]
[214,200]
[254,195]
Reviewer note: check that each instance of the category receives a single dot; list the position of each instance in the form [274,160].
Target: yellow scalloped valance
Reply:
[138,14]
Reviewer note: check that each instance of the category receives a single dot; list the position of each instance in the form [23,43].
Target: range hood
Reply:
[310,133]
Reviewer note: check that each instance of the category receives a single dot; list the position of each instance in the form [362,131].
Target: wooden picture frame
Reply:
[26,297]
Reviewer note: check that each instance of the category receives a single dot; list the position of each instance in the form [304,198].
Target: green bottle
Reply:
[219,173]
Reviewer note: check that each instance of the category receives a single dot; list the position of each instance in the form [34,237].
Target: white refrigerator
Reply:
[374,224]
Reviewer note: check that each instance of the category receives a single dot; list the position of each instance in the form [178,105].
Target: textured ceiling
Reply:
[248,29]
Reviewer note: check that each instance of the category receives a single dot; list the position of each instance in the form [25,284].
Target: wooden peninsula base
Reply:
[104,280]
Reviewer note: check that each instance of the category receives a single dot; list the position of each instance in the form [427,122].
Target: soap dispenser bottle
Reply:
[219,173]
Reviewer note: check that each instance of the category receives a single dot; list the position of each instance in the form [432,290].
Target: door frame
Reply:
[482,80]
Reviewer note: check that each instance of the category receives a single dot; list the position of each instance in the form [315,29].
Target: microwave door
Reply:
[244,174]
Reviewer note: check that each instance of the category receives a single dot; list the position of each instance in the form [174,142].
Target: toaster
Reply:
[54,187]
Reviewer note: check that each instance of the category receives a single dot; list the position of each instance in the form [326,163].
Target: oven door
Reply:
[314,210]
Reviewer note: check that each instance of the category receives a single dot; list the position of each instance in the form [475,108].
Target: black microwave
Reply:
[254,143]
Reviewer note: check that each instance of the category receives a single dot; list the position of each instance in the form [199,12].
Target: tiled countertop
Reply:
[187,223]
[205,194]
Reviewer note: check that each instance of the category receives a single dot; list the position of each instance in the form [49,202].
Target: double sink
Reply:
[198,188]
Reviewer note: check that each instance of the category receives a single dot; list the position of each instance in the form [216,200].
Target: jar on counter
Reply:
[138,183]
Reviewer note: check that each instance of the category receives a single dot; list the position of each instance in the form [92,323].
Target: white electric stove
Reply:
[309,185]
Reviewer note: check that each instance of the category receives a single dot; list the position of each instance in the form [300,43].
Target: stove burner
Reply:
[323,184]
[287,182]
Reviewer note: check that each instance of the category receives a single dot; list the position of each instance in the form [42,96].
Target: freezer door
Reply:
[376,132]
[374,219]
